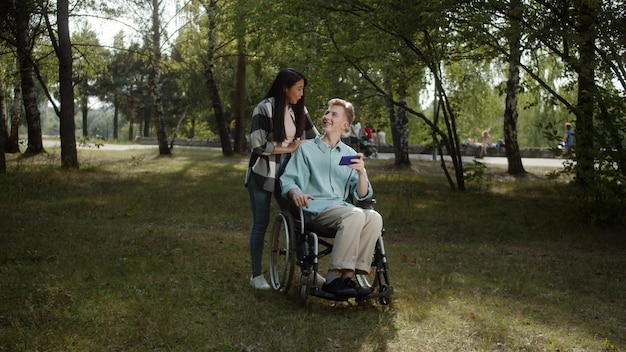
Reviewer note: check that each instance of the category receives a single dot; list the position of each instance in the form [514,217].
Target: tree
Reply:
[155,81]
[88,66]
[13,145]
[240,85]
[222,126]
[513,154]
[111,84]
[23,11]
[586,17]
[4,136]
[63,50]
[408,33]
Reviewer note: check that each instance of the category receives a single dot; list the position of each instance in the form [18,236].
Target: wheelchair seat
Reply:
[299,242]
[319,229]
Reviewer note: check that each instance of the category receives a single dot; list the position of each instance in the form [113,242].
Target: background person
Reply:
[280,123]
[313,179]
[381,138]
[486,143]
[568,138]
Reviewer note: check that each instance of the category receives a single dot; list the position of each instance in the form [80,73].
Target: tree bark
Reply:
[399,125]
[513,154]
[584,111]
[29,93]
[69,154]
[240,96]
[4,135]
[116,117]
[214,95]
[13,144]
[84,109]
[164,148]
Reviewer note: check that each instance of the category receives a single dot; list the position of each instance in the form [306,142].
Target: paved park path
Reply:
[527,162]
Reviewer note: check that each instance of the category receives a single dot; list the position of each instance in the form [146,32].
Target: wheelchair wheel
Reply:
[384,300]
[379,279]
[282,254]
[305,287]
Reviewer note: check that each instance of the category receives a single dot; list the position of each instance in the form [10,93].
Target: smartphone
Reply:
[345,160]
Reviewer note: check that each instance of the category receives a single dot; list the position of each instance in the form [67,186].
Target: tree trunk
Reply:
[131,130]
[13,144]
[240,96]
[454,148]
[84,109]
[585,39]
[147,122]
[164,148]
[399,129]
[29,93]
[4,135]
[218,110]
[116,117]
[400,134]
[513,154]
[69,154]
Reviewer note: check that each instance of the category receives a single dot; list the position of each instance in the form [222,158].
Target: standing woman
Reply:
[280,123]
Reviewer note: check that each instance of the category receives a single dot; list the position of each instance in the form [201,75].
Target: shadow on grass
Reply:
[506,269]
[152,254]
[139,259]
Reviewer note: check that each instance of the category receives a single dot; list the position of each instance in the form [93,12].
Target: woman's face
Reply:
[295,92]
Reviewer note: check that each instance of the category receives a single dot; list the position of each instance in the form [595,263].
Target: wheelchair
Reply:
[298,243]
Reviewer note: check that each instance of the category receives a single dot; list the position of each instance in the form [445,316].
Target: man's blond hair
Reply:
[346,105]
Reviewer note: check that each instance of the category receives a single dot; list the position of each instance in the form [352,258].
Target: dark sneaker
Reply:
[338,288]
[360,291]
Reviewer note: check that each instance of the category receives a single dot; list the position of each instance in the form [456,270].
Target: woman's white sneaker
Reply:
[260,283]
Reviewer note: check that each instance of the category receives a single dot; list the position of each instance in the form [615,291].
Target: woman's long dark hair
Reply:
[286,79]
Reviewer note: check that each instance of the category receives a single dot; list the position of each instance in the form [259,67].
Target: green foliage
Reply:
[86,142]
[474,174]
[605,201]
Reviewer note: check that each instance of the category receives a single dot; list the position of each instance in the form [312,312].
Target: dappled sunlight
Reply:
[147,253]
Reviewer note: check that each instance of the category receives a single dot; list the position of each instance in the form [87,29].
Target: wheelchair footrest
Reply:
[384,293]
[317,292]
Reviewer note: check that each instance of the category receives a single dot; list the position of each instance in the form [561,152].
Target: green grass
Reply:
[140,253]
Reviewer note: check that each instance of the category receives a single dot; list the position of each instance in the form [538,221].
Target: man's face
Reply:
[335,119]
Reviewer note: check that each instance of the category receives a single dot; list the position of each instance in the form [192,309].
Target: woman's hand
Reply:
[295,144]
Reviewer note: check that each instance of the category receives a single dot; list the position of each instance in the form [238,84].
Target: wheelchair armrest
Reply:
[366,203]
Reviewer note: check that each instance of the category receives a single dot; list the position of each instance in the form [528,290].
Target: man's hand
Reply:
[300,199]
[358,163]
[359,166]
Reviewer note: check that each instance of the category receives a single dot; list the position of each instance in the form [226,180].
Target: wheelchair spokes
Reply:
[282,255]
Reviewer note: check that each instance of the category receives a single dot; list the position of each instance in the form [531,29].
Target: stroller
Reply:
[368,148]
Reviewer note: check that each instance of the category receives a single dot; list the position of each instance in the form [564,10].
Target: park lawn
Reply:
[136,252]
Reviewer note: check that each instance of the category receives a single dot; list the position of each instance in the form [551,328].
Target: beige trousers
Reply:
[357,232]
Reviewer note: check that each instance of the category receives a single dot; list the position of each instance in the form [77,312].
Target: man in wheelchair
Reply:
[317,180]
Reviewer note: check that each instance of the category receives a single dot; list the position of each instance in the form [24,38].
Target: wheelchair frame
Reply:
[296,242]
